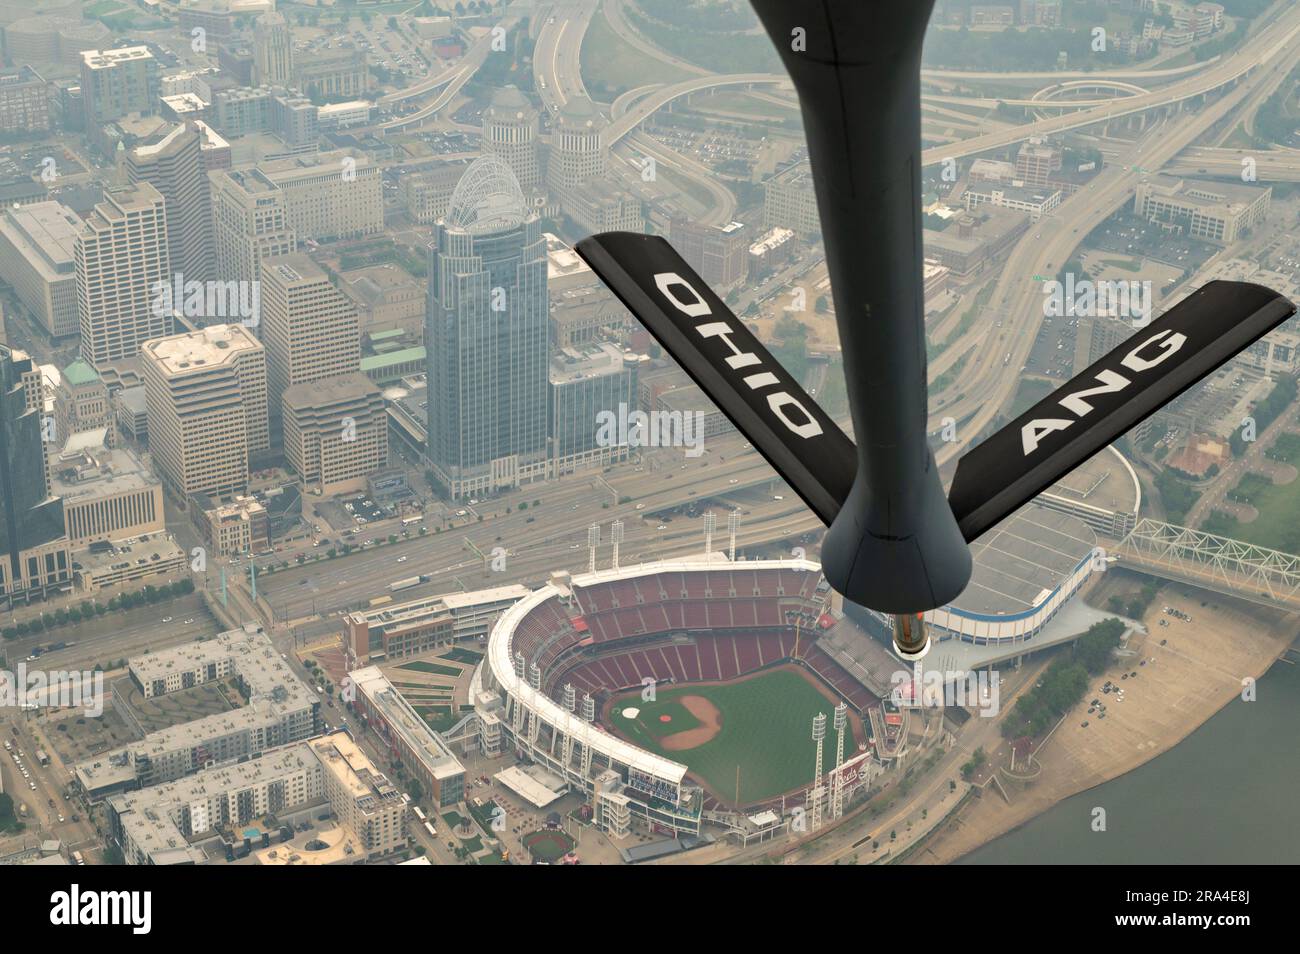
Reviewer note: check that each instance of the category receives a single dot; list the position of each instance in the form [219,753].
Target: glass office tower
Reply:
[487,335]
[33,548]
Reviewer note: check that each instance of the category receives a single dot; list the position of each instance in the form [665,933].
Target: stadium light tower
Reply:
[570,697]
[733,524]
[819,736]
[616,538]
[593,542]
[837,780]
[710,524]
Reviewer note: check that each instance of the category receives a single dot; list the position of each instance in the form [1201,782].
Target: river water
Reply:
[1227,794]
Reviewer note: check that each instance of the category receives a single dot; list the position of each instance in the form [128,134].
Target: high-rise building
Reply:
[121,261]
[718,252]
[206,394]
[586,385]
[789,201]
[242,110]
[24,101]
[331,195]
[117,83]
[37,258]
[34,556]
[309,327]
[294,119]
[53,38]
[575,173]
[175,167]
[510,131]
[1098,336]
[1036,162]
[333,74]
[250,223]
[335,433]
[82,403]
[577,150]
[487,337]
[272,50]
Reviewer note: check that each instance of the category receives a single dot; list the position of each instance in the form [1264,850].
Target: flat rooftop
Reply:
[354,771]
[1202,194]
[208,347]
[96,471]
[1024,557]
[1102,481]
[588,361]
[294,268]
[274,691]
[350,387]
[561,259]
[105,59]
[158,547]
[427,745]
[149,815]
[46,235]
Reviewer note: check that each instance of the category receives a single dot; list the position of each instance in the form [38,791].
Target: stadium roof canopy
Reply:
[528,788]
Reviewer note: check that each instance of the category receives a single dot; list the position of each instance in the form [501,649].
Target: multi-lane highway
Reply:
[557,55]
[985,387]
[553,535]
[1260,51]
[452,81]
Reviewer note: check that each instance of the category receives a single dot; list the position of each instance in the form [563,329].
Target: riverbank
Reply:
[1199,669]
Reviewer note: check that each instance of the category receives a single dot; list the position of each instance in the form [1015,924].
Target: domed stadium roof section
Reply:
[487,198]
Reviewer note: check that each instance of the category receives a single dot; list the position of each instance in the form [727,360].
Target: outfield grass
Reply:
[766,732]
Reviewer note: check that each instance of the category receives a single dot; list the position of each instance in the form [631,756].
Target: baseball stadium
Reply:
[670,691]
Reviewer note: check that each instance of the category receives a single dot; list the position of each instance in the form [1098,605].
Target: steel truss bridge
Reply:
[1232,567]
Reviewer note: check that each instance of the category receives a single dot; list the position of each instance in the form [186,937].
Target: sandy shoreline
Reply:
[1184,683]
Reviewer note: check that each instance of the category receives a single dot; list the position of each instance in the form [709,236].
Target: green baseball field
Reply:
[762,724]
